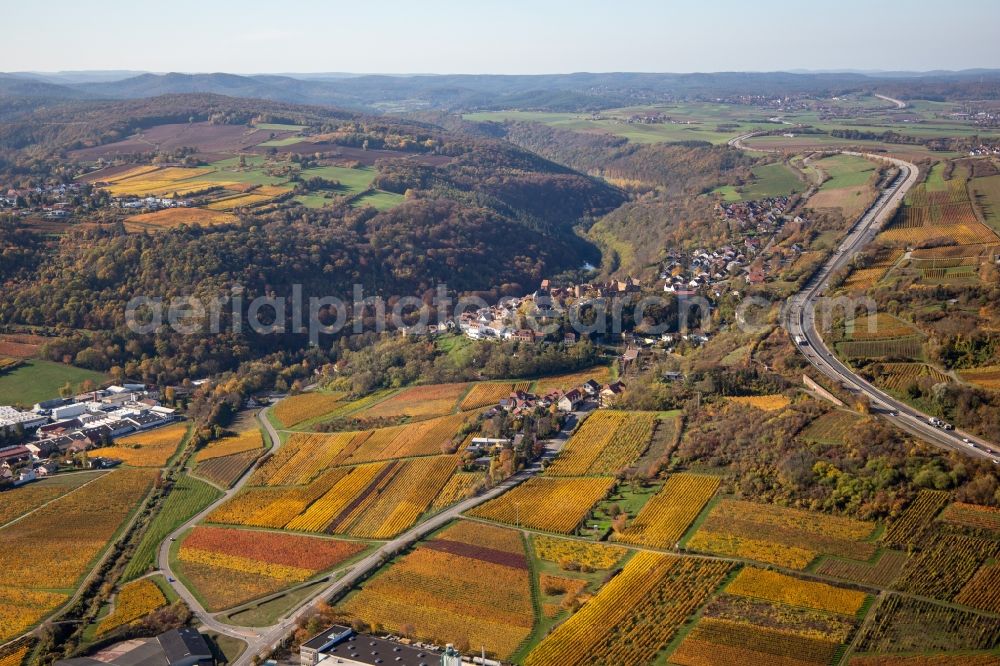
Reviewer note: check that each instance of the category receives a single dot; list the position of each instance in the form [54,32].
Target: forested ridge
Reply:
[491,214]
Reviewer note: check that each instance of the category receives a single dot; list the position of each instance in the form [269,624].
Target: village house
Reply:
[611,392]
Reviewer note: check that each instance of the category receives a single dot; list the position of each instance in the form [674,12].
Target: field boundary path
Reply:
[799,315]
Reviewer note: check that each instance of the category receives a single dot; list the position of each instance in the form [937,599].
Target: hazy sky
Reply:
[487,36]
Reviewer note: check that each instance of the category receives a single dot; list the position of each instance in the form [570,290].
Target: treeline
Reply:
[367,363]
[676,168]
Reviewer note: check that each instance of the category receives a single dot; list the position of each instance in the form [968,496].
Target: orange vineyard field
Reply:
[469,585]
[785,537]
[303,407]
[59,545]
[230,566]
[418,402]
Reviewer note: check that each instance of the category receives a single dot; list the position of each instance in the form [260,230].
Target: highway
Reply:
[799,319]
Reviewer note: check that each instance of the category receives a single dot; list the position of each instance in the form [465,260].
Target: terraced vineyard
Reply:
[985,377]
[900,348]
[767,403]
[549,504]
[785,537]
[665,518]
[914,522]
[898,377]
[470,584]
[634,616]
[607,442]
[831,427]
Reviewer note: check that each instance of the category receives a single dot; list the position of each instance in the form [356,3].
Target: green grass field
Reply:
[355,180]
[771,180]
[701,121]
[278,127]
[379,200]
[935,179]
[186,498]
[267,613]
[845,171]
[287,141]
[690,128]
[316,200]
[229,171]
[39,380]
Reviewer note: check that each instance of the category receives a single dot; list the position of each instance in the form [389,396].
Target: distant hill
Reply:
[580,91]
[16,86]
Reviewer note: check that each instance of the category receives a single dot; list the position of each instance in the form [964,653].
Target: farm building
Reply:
[177,647]
[340,645]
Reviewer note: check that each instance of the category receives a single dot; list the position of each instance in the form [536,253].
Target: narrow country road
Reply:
[261,639]
[271,636]
[900,104]
[163,555]
[799,317]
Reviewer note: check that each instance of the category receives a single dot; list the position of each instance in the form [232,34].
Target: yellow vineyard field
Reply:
[133,602]
[550,504]
[665,517]
[571,553]
[607,442]
[245,441]
[634,616]
[484,395]
[779,588]
[305,406]
[767,403]
[779,535]
[146,449]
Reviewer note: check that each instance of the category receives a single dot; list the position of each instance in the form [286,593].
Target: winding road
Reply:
[263,639]
[799,317]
